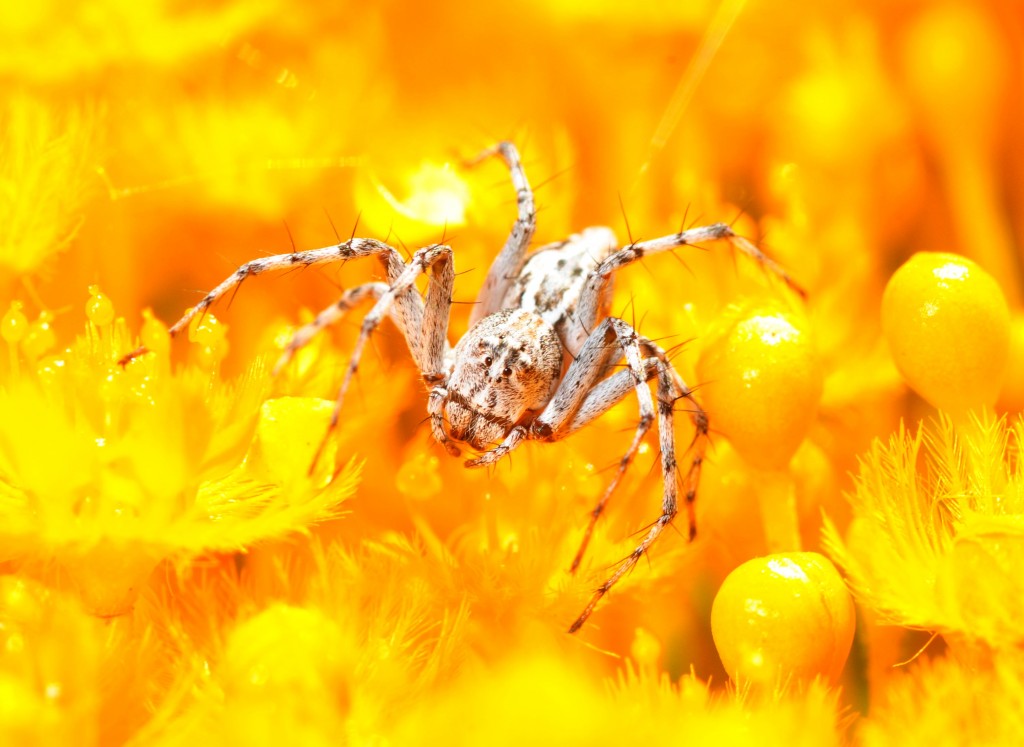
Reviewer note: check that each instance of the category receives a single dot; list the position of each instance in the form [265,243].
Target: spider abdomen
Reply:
[553,277]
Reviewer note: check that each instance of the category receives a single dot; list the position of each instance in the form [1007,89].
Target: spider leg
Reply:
[601,399]
[515,437]
[507,265]
[589,306]
[670,387]
[436,339]
[434,344]
[438,260]
[608,393]
[590,364]
[331,315]
[435,409]
[343,252]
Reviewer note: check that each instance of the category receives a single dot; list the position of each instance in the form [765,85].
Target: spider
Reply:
[539,360]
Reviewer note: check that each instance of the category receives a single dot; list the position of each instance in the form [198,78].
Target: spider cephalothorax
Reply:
[507,365]
[538,360]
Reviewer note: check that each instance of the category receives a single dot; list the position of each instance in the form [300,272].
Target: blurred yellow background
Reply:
[149,149]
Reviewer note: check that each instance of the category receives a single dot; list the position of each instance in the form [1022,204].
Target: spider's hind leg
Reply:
[670,389]
[429,349]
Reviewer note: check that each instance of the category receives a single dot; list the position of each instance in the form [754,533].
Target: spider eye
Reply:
[488,360]
[507,371]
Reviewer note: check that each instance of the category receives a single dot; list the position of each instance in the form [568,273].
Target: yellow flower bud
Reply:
[948,328]
[40,336]
[781,617]
[290,434]
[206,329]
[14,324]
[211,337]
[154,334]
[762,383]
[98,308]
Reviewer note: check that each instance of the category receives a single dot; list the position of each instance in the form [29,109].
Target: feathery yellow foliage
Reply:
[938,531]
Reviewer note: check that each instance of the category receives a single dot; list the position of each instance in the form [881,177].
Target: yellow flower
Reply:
[951,702]
[937,538]
[109,470]
[541,699]
[47,696]
[45,179]
[69,677]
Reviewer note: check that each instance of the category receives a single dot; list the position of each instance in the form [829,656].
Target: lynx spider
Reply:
[537,361]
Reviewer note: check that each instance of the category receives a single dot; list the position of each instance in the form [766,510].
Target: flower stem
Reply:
[777,497]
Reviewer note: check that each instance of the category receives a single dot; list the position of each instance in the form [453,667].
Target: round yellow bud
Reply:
[762,381]
[782,617]
[39,337]
[14,324]
[211,337]
[206,329]
[99,309]
[154,334]
[290,434]
[948,328]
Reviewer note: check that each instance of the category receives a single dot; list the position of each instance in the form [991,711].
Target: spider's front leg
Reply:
[410,312]
[435,409]
[428,344]
[506,266]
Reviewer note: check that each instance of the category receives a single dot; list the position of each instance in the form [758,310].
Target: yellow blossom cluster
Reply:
[193,552]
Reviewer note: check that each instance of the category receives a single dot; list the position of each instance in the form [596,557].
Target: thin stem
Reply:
[776,494]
